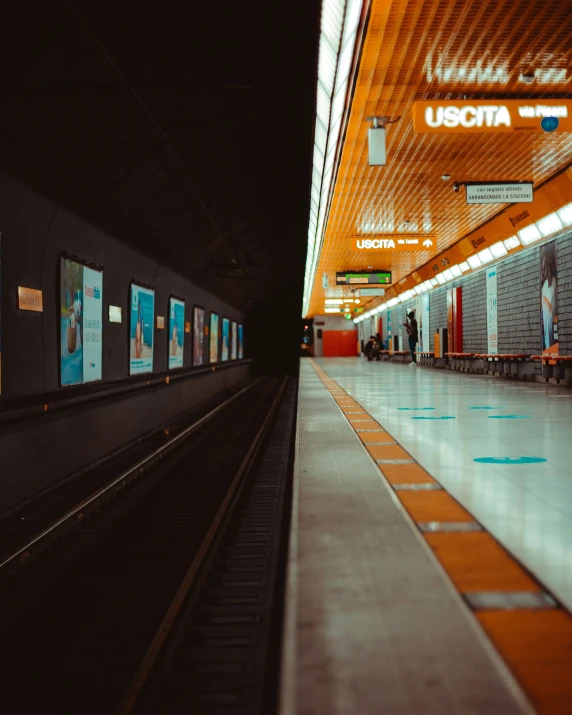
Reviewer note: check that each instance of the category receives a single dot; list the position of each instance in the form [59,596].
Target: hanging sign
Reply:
[500,193]
[489,116]
[373,278]
[372,292]
[392,243]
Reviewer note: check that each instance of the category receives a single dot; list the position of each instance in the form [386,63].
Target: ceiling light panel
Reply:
[565,214]
[549,224]
[498,250]
[512,242]
[474,261]
[464,267]
[529,235]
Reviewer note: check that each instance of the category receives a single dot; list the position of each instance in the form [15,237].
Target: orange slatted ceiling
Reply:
[442,49]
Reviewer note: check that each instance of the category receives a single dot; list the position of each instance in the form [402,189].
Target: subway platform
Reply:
[430,555]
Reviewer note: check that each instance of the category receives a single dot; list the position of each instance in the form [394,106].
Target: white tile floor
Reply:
[528,507]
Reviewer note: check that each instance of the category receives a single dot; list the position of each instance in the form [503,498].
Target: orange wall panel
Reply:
[340,343]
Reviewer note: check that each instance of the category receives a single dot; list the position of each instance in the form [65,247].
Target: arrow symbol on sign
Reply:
[427,242]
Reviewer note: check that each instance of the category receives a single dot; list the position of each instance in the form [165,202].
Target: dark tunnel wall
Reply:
[35,232]
[40,451]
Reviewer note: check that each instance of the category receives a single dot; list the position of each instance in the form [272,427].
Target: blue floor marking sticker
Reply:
[483,407]
[508,460]
[510,417]
[445,417]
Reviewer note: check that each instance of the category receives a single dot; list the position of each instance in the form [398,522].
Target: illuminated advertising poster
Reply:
[225,339]
[176,332]
[198,335]
[492,312]
[81,323]
[233,340]
[213,338]
[549,298]
[240,342]
[141,332]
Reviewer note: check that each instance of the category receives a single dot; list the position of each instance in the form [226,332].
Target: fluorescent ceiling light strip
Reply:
[485,255]
[565,214]
[512,242]
[529,235]
[549,224]
[338,32]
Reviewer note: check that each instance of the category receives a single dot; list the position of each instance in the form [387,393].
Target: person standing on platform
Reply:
[411,327]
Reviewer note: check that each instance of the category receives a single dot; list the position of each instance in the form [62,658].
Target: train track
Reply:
[80,626]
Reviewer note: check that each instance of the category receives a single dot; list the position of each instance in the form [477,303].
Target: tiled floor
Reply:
[372,624]
[527,507]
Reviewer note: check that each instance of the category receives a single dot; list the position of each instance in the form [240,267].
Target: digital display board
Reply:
[213,338]
[233,340]
[372,278]
[225,339]
[240,342]
[81,321]
[176,332]
[142,330]
[198,335]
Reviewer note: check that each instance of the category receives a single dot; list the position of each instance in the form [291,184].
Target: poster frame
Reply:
[553,349]
[241,343]
[202,363]
[223,318]
[184,302]
[214,362]
[139,284]
[63,255]
[233,331]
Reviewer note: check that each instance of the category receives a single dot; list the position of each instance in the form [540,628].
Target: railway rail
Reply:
[84,626]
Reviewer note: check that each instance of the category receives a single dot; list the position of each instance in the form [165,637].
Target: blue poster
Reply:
[142,327]
[213,355]
[176,332]
[225,339]
[81,323]
[233,340]
[240,342]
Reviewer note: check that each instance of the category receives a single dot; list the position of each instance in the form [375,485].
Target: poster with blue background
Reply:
[240,342]
[176,332]
[225,339]
[81,323]
[142,327]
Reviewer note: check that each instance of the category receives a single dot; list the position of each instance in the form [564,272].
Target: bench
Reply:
[426,358]
[504,364]
[458,361]
[557,367]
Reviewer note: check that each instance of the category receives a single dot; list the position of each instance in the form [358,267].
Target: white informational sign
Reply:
[492,316]
[372,291]
[425,333]
[499,193]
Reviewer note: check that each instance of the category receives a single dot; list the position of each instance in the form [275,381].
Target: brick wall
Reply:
[518,290]
[437,311]
[564,248]
[474,312]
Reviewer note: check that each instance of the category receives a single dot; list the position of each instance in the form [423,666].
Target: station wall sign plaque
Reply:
[500,193]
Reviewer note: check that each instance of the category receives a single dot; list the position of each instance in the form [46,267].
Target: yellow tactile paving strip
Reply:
[536,644]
